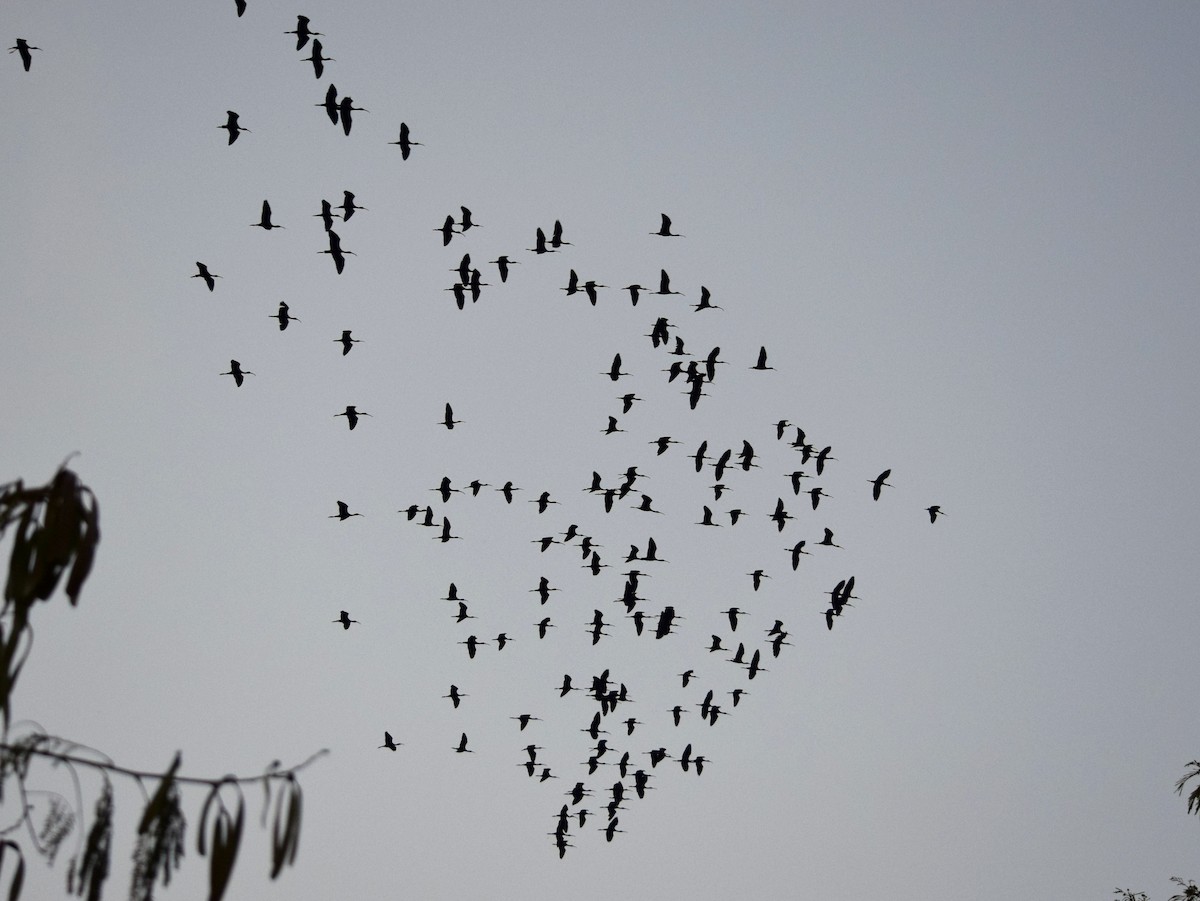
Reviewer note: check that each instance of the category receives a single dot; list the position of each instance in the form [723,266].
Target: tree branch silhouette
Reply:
[56,530]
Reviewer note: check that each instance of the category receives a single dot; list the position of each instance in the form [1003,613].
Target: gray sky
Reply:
[966,236]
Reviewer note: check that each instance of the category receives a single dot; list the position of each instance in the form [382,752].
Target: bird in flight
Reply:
[330,103]
[23,47]
[387,739]
[615,372]
[348,206]
[346,341]
[343,512]
[231,126]
[762,360]
[335,250]
[934,512]
[235,370]
[345,620]
[318,60]
[345,107]
[202,272]
[283,316]
[502,263]
[265,222]
[302,32]
[450,422]
[462,745]
[664,230]
[406,144]
[878,482]
[705,301]
[664,284]
[352,413]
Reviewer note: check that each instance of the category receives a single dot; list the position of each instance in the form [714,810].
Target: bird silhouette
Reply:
[445,535]
[664,284]
[822,458]
[762,360]
[302,32]
[387,739]
[556,240]
[406,144]
[352,413]
[325,215]
[878,483]
[827,541]
[235,370]
[209,277]
[348,206]
[502,263]
[540,244]
[450,422]
[345,620]
[455,696]
[615,372]
[664,230]
[330,103]
[283,316]
[231,126]
[462,748]
[23,47]
[335,250]
[466,223]
[447,229]
[343,512]
[345,108]
[472,644]
[934,512]
[705,301]
[318,61]
[346,341]
[589,288]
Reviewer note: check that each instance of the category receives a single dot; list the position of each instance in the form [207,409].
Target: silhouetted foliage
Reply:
[55,532]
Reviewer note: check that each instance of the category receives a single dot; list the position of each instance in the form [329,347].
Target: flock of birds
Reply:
[729,655]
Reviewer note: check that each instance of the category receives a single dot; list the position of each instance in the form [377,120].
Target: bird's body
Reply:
[235,370]
[664,284]
[283,316]
[349,206]
[762,360]
[330,104]
[345,620]
[346,341]
[345,108]
[352,413]
[335,250]
[318,61]
[664,230]
[302,32]
[406,144]
[203,273]
[343,512]
[231,126]
[879,482]
[22,47]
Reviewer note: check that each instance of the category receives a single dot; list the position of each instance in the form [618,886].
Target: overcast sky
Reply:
[966,236]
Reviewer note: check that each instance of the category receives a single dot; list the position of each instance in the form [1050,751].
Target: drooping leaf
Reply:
[93,869]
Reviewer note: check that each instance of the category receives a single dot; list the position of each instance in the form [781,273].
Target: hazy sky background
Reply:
[967,237]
